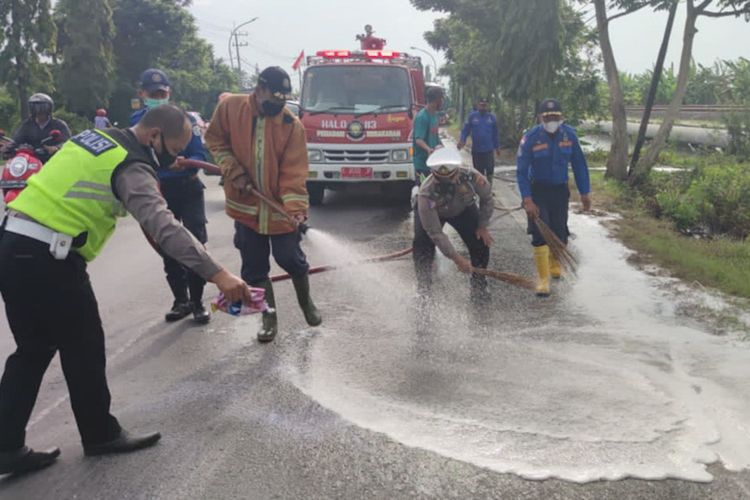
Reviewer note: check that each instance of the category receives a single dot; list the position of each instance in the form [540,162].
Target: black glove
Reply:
[9,153]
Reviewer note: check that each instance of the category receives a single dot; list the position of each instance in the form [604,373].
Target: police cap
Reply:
[550,106]
[277,81]
[154,79]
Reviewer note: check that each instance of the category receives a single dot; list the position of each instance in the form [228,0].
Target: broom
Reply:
[513,279]
[558,248]
[506,211]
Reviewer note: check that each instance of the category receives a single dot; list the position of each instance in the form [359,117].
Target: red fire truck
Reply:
[357,108]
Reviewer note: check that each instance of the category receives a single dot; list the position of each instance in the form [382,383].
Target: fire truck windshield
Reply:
[356,89]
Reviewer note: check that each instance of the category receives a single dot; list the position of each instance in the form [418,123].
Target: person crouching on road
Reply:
[260,145]
[449,195]
[57,224]
[481,125]
[183,190]
[542,173]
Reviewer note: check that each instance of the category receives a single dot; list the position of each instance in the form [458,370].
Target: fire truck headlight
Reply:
[315,156]
[399,155]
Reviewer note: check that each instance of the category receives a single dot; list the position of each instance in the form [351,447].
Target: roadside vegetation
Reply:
[694,222]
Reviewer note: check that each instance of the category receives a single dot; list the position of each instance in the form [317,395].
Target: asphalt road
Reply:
[378,404]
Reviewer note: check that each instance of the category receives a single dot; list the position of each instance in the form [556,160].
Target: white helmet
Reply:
[40,103]
[444,162]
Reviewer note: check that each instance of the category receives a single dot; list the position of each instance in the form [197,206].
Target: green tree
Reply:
[163,34]
[27,34]
[606,12]
[516,52]
[694,10]
[85,40]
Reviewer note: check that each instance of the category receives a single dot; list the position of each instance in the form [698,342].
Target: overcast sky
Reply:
[285,27]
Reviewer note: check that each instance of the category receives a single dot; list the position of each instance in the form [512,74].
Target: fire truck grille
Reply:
[359,156]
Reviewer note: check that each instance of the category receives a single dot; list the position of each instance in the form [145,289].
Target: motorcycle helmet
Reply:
[444,163]
[40,104]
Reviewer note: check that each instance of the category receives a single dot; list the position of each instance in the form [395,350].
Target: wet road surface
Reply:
[604,380]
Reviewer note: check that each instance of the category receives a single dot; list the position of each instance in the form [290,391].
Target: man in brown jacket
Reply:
[259,144]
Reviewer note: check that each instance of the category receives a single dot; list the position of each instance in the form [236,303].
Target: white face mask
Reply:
[551,127]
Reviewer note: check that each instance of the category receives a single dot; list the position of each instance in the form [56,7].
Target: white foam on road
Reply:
[616,386]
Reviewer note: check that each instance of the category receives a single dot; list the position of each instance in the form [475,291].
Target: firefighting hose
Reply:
[210,168]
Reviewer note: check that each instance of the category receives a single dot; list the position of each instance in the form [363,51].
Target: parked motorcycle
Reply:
[23,162]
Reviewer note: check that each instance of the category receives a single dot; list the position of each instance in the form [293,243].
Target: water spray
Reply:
[210,168]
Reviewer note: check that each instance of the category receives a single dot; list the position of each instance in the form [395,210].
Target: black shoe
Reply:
[26,460]
[200,315]
[123,444]
[179,311]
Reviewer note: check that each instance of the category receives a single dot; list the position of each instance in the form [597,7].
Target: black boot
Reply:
[480,295]
[123,444]
[200,314]
[270,322]
[302,287]
[179,310]
[26,460]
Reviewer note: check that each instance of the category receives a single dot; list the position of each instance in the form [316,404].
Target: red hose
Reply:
[207,167]
[321,269]
[210,168]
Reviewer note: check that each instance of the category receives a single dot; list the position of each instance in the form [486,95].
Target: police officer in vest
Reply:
[542,173]
[449,195]
[59,223]
[183,191]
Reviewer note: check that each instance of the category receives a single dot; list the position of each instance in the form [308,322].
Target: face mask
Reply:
[551,127]
[152,103]
[163,159]
[272,108]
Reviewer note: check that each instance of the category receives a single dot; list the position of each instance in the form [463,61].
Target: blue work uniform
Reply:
[183,191]
[485,139]
[482,127]
[542,174]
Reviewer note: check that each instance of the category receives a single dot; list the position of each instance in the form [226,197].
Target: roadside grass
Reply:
[720,263]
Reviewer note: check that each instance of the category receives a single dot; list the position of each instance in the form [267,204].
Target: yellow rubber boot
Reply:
[541,257]
[554,267]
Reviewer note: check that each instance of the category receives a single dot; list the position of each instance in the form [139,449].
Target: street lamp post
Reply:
[234,35]
[434,63]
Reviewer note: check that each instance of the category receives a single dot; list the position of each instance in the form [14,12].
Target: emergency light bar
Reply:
[334,54]
[344,54]
[370,56]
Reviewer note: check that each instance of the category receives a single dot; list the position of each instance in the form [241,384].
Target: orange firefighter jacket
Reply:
[271,150]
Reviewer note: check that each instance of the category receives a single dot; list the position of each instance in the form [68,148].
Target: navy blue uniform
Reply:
[542,174]
[485,140]
[183,191]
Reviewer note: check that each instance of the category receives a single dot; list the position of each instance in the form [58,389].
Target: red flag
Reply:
[298,62]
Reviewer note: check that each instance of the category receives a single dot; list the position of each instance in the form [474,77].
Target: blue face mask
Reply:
[152,103]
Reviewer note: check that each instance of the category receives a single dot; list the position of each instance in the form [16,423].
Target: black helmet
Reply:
[41,103]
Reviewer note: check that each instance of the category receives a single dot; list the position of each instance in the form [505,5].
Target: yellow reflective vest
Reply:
[73,193]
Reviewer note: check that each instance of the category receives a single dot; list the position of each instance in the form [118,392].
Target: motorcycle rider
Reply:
[38,126]
[100,120]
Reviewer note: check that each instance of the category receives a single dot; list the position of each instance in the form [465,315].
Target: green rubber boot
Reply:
[270,322]
[302,287]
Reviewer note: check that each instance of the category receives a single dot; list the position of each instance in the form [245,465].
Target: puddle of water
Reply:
[612,385]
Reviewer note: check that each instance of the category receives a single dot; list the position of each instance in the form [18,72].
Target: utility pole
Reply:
[237,45]
[434,62]
[234,37]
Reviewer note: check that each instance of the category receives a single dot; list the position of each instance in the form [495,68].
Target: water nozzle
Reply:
[302,227]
